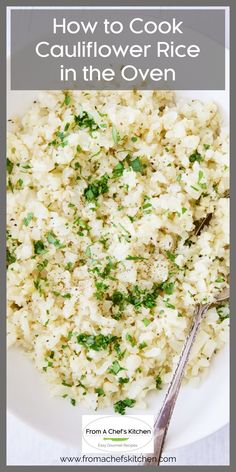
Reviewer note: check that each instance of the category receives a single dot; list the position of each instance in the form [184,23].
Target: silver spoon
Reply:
[163,420]
[205,221]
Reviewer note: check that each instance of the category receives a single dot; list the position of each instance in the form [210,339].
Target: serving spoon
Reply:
[163,420]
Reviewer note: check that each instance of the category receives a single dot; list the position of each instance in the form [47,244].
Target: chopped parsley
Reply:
[118,299]
[19,184]
[69,266]
[66,384]
[220,280]
[73,401]
[39,247]
[223,312]
[118,170]
[10,256]
[67,99]
[85,120]
[127,234]
[59,294]
[115,135]
[200,177]
[37,284]
[136,165]
[70,334]
[27,219]
[168,287]
[139,297]
[147,206]
[88,251]
[52,239]
[96,188]
[123,380]
[171,256]
[101,288]
[115,368]
[106,272]
[42,265]
[195,157]
[82,225]
[206,146]
[100,392]
[96,342]
[158,382]
[121,405]
[10,166]
[142,345]
[60,139]
[194,188]
[120,354]
[146,322]
[130,339]
[169,305]
[179,178]
[136,258]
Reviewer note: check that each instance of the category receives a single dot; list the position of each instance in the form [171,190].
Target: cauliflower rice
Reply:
[104,269]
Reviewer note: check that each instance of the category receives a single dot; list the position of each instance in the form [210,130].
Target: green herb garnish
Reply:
[52,239]
[142,345]
[66,384]
[27,219]
[195,157]
[85,120]
[219,280]
[136,165]
[168,287]
[10,256]
[171,256]
[223,312]
[39,247]
[96,188]
[100,392]
[146,322]
[123,380]
[67,99]
[130,339]
[118,299]
[118,170]
[101,288]
[115,368]
[96,342]
[136,258]
[10,166]
[115,135]
[158,382]
[121,405]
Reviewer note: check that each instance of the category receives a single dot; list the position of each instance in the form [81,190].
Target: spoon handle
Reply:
[162,422]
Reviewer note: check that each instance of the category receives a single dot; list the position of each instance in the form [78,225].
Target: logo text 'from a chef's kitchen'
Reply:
[125,434]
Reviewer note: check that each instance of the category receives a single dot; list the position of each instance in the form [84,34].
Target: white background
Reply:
[28,447]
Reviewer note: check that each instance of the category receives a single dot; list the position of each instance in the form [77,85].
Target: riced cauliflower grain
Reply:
[104,192]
